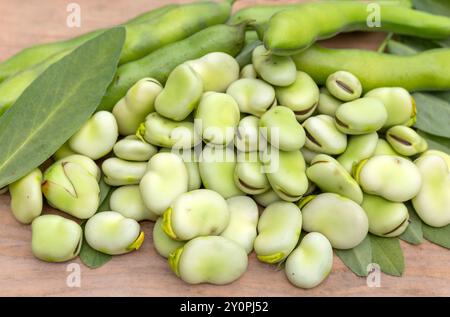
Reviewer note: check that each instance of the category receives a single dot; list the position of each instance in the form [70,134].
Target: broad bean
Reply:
[118,172]
[301,96]
[311,262]
[406,141]
[386,218]
[160,131]
[249,174]
[322,136]
[217,70]
[197,213]
[253,96]
[344,86]
[359,147]
[428,70]
[279,229]
[331,177]
[288,179]
[217,166]
[217,116]
[432,203]
[165,179]
[267,198]
[97,136]
[392,177]
[243,222]
[127,201]
[399,104]
[26,197]
[340,219]
[327,103]
[139,101]
[361,116]
[210,259]
[70,187]
[111,233]
[181,94]
[132,148]
[293,30]
[164,244]
[55,239]
[276,70]
[282,129]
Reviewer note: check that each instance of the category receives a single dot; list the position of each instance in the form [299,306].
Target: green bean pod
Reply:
[159,64]
[175,25]
[37,54]
[261,14]
[291,31]
[14,86]
[428,70]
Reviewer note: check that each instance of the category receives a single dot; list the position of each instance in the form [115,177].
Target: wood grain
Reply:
[144,273]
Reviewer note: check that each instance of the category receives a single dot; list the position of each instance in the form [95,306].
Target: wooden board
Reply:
[144,273]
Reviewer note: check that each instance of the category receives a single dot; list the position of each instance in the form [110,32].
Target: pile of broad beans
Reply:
[198,154]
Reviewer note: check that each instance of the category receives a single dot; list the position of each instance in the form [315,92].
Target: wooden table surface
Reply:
[144,272]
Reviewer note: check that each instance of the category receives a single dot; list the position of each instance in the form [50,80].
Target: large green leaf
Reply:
[56,105]
[388,254]
[433,114]
[439,236]
[413,233]
[435,142]
[358,258]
